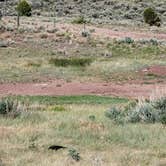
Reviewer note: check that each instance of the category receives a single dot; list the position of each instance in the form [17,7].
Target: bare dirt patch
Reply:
[81,88]
[157,70]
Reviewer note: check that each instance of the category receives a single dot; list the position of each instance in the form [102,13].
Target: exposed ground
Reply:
[138,75]
[66,104]
[56,88]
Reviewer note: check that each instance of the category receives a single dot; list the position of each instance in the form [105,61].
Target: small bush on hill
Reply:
[126,40]
[24,8]
[79,20]
[151,17]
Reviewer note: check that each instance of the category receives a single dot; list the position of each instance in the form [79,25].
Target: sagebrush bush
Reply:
[126,40]
[113,113]
[144,113]
[79,20]
[160,105]
[151,17]
[24,8]
[74,154]
[10,108]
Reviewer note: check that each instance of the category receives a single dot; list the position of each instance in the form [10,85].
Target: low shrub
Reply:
[144,111]
[92,117]
[10,108]
[126,40]
[113,113]
[64,62]
[74,154]
[44,36]
[160,105]
[154,42]
[57,108]
[85,34]
[79,20]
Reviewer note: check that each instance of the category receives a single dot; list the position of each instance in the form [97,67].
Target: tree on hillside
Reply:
[151,17]
[23,9]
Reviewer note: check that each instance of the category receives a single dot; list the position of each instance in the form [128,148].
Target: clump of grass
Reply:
[64,62]
[33,64]
[57,108]
[74,154]
[92,117]
[113,113]
[44,36]
[79,20]
[10,108]
[126,40]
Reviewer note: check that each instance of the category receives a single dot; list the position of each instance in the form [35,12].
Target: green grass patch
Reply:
[64,62]
[148,51]
[87,99]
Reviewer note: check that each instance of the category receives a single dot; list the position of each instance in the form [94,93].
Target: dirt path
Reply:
[60,87]
[114,34]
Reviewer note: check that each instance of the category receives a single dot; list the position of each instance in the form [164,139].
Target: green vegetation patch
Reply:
[64,62]
[52,100]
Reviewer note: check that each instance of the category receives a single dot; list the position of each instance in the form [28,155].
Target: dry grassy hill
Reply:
[96,10]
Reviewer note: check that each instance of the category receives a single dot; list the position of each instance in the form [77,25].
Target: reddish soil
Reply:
[60,87]
[103,32]
[113,34]
[157,70]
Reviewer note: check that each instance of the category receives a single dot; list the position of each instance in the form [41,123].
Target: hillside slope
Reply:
[97,10]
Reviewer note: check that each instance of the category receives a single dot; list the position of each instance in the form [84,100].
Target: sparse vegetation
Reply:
[144,111]
[74,129]
[115,54]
